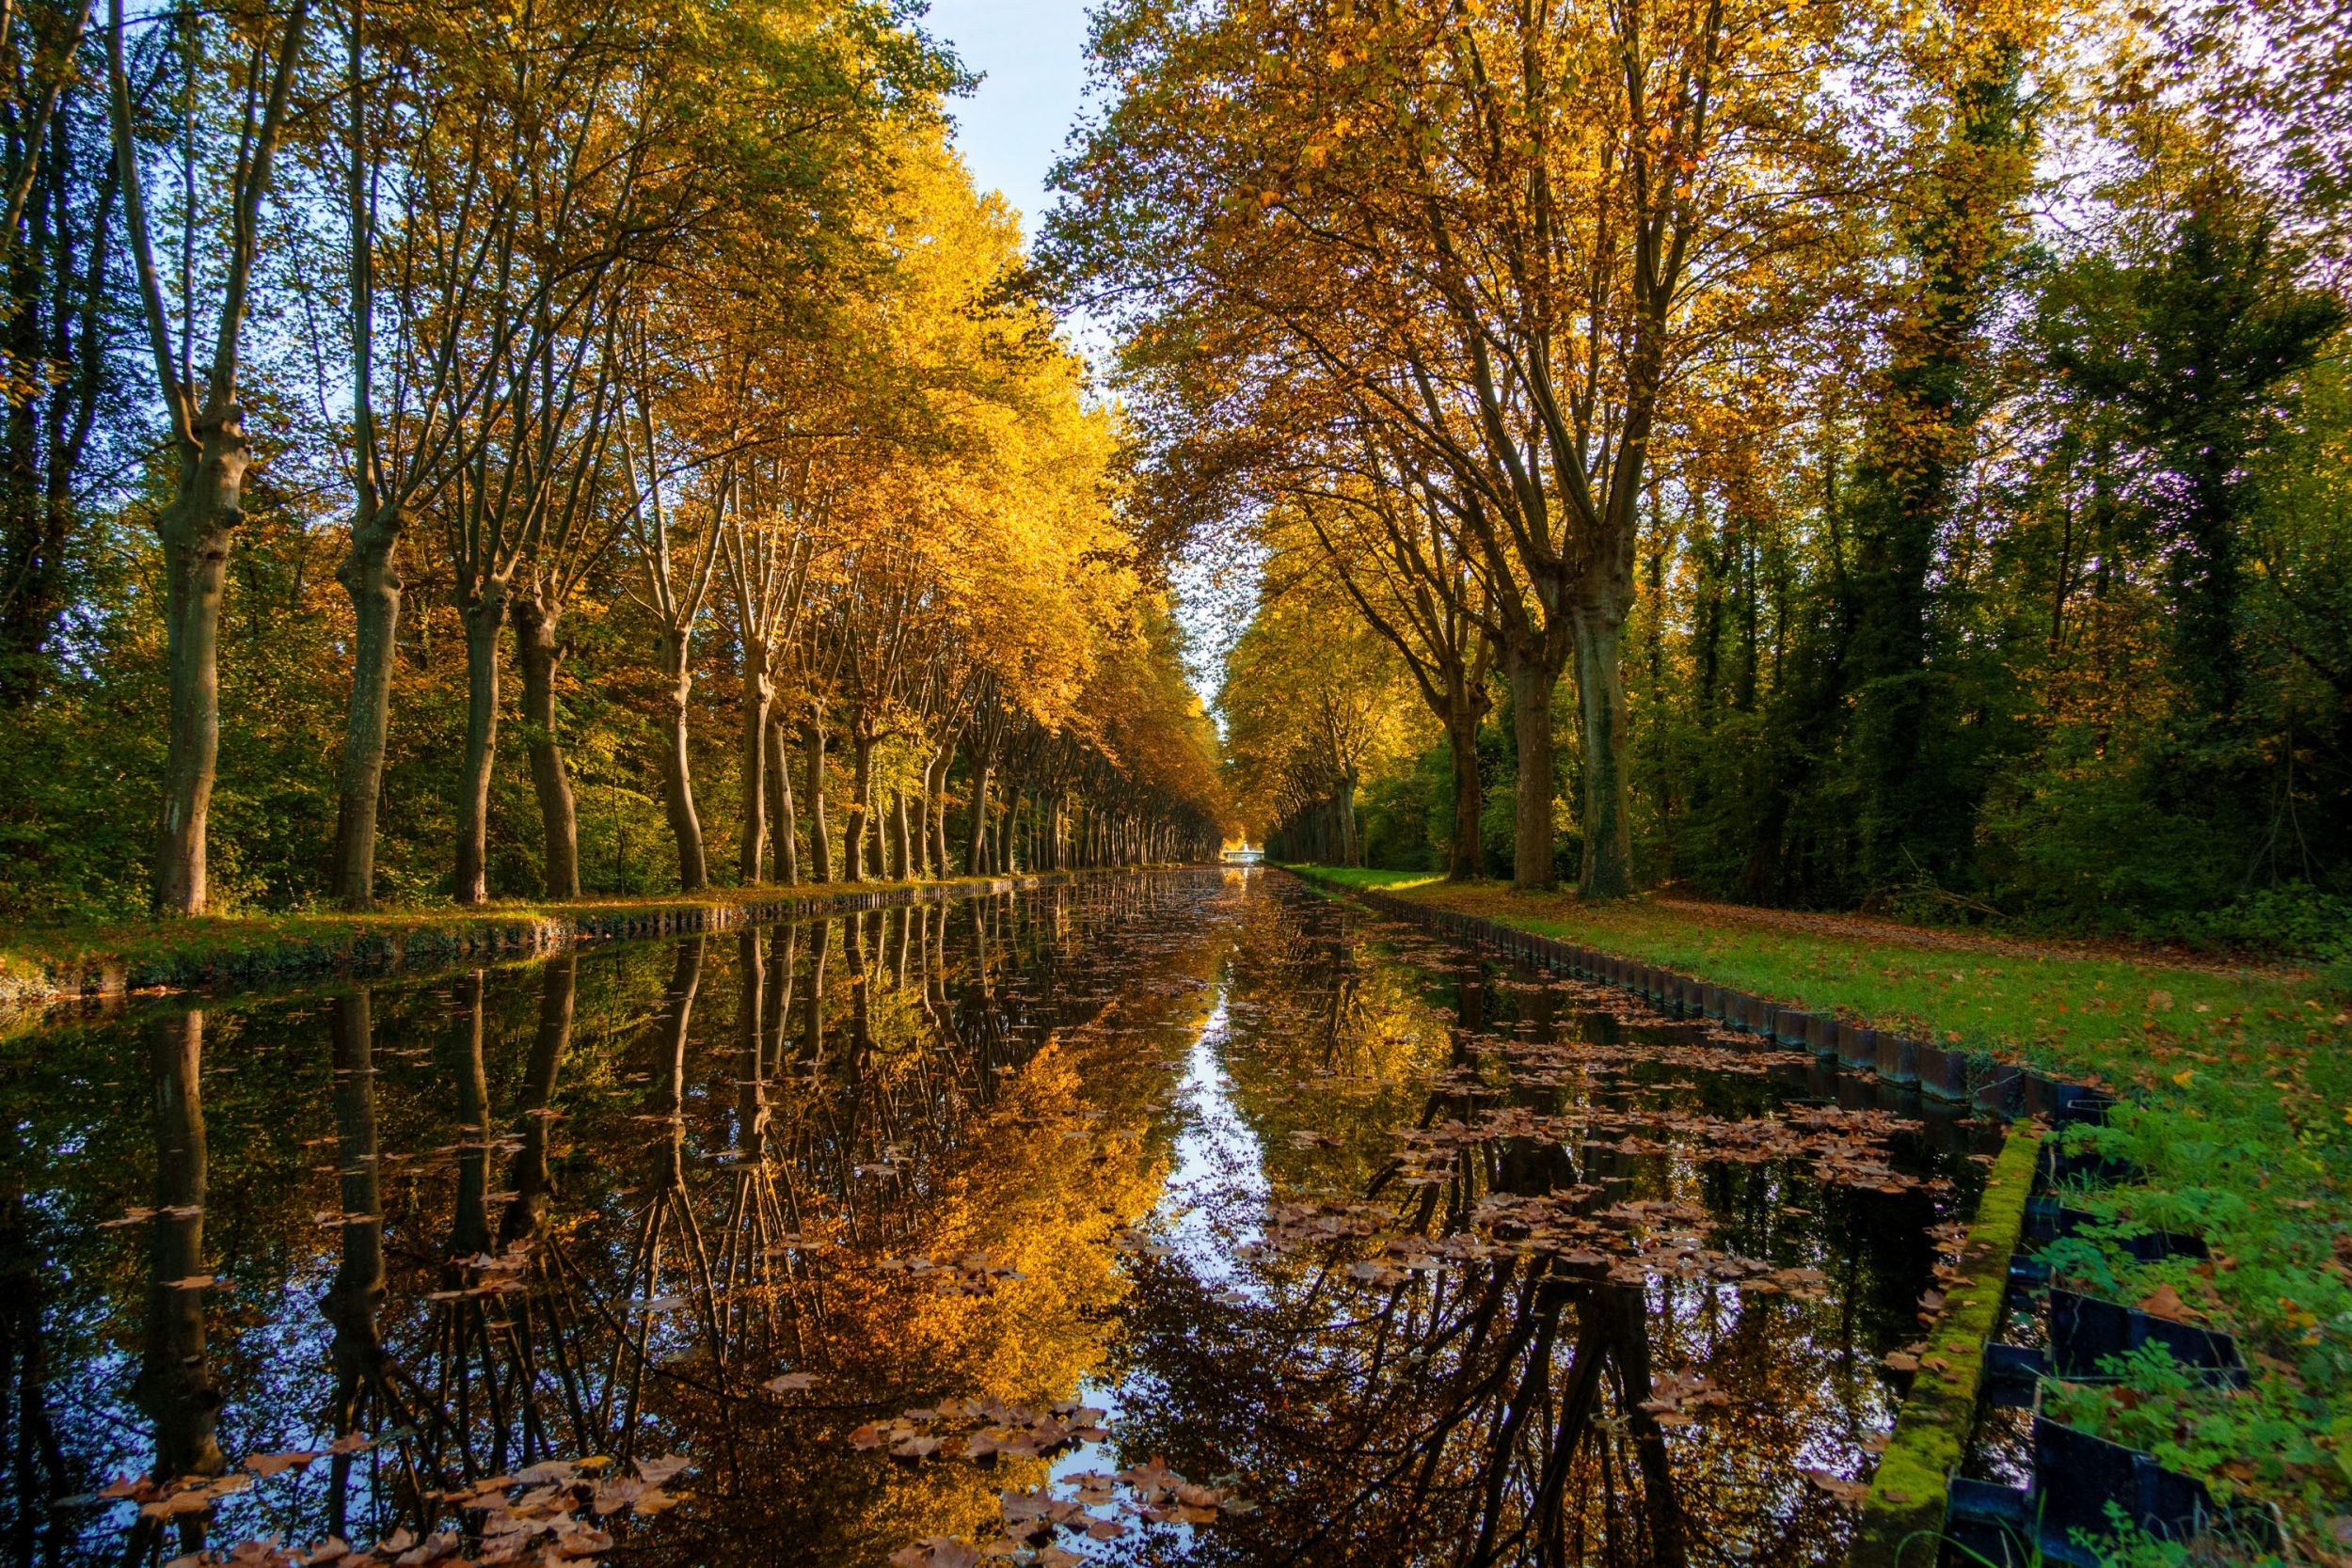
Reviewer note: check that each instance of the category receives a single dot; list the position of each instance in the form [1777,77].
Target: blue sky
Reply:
[1032,56]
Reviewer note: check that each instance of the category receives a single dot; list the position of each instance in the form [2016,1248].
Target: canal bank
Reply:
[40,968]
[2231,1139]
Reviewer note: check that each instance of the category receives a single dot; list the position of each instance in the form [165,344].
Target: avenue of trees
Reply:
[461,450]
[1847,454]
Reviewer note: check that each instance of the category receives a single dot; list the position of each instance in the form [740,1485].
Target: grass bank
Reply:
[2238,1116]
[40,965]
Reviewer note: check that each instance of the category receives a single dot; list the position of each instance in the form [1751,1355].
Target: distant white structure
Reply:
[1245,853]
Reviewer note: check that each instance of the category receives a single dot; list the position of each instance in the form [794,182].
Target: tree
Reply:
[60,191]
[1311,700]
[1506,233]
[205,421]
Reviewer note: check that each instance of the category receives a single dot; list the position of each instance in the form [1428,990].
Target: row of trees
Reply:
[664,351]
[1923,489]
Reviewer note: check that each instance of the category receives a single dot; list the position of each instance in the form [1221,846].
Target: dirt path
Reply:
[1864,928]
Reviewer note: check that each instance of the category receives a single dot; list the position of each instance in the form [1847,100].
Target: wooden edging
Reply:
[366,949]
[1907,1499]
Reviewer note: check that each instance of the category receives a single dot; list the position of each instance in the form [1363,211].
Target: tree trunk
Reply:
[855,839]
[559,816]
[371,578]
[677,776]
[1349,850]
[975,834]
[820,840]
[485,617]
[785,829]
[935,810]
[902,856]
[196,531]
[1469,799]
[758,693]
[1608,871]
[1530,721]
[921,826]
[1008,858]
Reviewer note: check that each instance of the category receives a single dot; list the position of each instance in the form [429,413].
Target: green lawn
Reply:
[2238,1115]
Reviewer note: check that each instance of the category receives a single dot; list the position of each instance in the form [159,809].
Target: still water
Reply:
[1178,1217]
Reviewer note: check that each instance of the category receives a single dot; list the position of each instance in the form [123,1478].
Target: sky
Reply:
[1031,56]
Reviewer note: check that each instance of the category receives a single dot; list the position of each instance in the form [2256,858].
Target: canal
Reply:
[1175,1217]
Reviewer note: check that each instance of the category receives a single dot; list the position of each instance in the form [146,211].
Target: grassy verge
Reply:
[40,965]
[2238,1116]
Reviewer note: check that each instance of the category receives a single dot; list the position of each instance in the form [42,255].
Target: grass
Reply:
[2237,1116]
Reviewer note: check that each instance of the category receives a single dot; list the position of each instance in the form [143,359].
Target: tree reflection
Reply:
[175,1382]
[1461,1402]
[734,1197]
[34,1470]
[365,1398]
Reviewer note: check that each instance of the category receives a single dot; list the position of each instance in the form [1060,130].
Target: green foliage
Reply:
[1405,813]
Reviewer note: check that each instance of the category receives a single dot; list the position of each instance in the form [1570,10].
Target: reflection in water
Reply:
[364,1400]
[1427,1261]
[175,1384]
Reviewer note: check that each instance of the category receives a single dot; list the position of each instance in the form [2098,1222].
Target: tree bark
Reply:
[935,809]
[1608,870]
[196,529]
[485,617]
[371,578]
[677,776]
[819,839]
[1008,858]
[976,835]
[855,838]
[901,857]
[539,653]
[758,692]
[781,807]
[920,813]
[1530,722]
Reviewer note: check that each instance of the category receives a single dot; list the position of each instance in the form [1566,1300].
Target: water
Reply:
[1222,1223]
